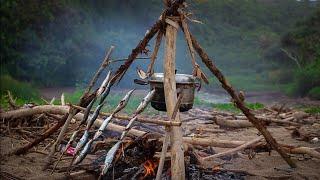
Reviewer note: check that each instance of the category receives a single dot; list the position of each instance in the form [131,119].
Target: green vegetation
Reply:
[225,106]
[312,110]
[302,45]
[230,107]
[112,101]
[22,92]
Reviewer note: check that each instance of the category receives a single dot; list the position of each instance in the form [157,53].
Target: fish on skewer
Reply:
[85,117]
[95,115]
[87,112]
[124,101]
[145,102]
[103,126]
[104,84]
[84,152]
[109,158]
[111,153]
[105,93]
[82,142]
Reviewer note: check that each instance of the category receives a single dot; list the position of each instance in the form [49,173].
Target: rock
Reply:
[314,140]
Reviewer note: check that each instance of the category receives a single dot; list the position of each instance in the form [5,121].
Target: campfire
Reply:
[149,168]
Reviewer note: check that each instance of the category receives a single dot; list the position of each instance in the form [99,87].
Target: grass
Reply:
[312,110]
[112,101]
[22,92]
[231,108]
[225,106]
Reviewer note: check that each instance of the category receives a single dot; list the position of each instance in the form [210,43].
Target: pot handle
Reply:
[140,82]
[198,85]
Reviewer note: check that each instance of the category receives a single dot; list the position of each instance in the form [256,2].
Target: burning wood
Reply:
[149,168]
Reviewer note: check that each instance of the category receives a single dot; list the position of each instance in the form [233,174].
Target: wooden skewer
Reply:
[140,119]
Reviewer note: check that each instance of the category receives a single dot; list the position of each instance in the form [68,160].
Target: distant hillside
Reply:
[54,43]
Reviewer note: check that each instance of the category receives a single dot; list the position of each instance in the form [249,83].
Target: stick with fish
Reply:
[111,153]
[103,92]
[122,104]
[105,86]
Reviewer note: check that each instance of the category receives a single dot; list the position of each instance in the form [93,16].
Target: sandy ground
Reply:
[262,166]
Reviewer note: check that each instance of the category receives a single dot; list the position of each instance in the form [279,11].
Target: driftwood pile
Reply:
[30,121]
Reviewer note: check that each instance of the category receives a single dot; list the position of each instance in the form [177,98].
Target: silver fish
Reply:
[104,84]
[87,111]
[145,102]
[82,142]
[83,153]
[94,116]
[105,93]
[102,127]
[109,158]
[128,127]
[123,102]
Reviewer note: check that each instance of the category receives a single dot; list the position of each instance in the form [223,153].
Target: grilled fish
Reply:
[82,142]
[83,153]
[109,158]
[104,84]
[145,102]
[123,102]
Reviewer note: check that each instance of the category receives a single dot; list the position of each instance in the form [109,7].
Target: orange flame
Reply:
[149,167]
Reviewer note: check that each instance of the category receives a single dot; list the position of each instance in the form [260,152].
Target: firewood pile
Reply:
[138,158]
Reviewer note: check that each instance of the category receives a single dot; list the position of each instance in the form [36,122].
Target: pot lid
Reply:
[180,78]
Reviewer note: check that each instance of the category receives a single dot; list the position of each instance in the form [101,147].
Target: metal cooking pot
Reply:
[185,84]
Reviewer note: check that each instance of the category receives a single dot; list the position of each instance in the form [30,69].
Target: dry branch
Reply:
[103,65]
[235,150]
[154,53]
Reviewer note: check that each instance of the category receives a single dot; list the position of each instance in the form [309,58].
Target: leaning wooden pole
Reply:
[240,104]
[177,157]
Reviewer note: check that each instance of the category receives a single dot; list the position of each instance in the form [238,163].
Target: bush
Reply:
[24,92]
[307,78]
[17,88]
[314,93]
